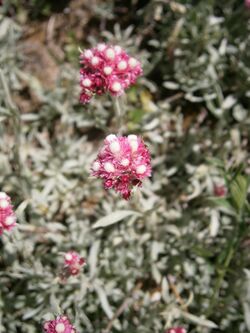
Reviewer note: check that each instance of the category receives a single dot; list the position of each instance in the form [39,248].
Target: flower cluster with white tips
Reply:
[107,69]
[122,163]
[59,325]
[7,215]
[247,4]
[176,330]
[73,263]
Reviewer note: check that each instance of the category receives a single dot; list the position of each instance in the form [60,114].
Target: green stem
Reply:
[233,245]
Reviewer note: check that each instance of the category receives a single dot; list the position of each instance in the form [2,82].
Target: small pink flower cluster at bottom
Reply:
[176,330]
[122,163]
[7,216]
[59,325]
[73,263]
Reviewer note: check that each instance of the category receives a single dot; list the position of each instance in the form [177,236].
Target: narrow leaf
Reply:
[238,190]
[199,320]
[114,218]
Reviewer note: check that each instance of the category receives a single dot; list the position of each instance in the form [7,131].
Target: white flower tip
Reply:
[125,162]
[68,256]
[10,220]
[108,167]
[116,87]
[86,82]
[133,145]
[117,49]
[110,54]
[4,203]
[88,54]
[111,137]
[122,65]
[60,328]
[3,195]
[141,169]
[133,142]
[114,147]
[183,330]
[132,137]
[95,61]
[132,62]
[96,166]
[107,70]
[101,47]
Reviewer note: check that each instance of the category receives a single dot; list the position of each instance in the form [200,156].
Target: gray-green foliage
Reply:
[168,254]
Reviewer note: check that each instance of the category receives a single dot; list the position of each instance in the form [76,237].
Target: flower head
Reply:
[176,330]
[73,263]
[122,163]
[107,69]
[220,190]
[7,215]
[247,4]
[59,325]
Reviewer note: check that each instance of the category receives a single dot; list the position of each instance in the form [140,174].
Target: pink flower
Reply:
[73,263]
[7,216]
[176,330]
[59,325]
[247,3]
[220,190]
[107,69]
[122,163]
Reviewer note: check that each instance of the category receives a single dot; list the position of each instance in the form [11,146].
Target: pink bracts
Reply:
[73,262]
[59,325]
[7,215]
[106,69]
[122,163]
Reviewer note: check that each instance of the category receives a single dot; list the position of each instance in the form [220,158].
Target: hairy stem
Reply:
[119,112]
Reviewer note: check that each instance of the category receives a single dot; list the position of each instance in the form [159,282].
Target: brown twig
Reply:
[175,97]
[177,294]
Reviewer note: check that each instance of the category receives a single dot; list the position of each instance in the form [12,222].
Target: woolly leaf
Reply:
[199,320]
[221,202]
[114,218]
[238,190]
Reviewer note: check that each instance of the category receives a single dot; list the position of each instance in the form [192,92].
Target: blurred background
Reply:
[177,253]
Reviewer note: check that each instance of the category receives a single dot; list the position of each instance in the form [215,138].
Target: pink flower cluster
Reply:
[220,190]
[122,163]
[59,325]
[73,263]
[7,216]
[107,69]
[176,330]
[247,4]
